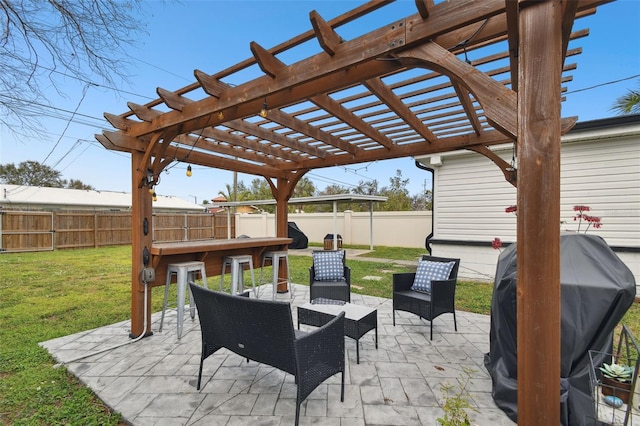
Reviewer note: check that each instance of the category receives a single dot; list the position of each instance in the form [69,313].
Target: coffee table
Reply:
[358,320]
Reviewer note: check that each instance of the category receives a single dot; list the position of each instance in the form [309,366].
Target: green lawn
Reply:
[46,295]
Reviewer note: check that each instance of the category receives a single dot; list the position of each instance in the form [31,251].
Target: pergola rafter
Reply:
[462,74]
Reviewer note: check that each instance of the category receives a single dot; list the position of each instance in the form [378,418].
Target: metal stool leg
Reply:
[253,278]
[182,288]
[224,267]
[192,303]
[166,297]
[276,257]
[275,265]
[185,273]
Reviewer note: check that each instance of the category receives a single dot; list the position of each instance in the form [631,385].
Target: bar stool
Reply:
[237,262]
[185,272]
[275,257]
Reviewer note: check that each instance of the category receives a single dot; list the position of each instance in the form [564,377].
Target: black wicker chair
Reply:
[429,306]
[262,331]
[335,288]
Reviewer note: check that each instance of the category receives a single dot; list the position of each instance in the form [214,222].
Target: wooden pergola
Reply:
[462,74]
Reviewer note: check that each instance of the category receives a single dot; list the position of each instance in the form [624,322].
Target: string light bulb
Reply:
[263,111]
[155,197]
[220,115]
[189,173]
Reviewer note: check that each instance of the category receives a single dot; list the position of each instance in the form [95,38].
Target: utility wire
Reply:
[603,84]
[84,93]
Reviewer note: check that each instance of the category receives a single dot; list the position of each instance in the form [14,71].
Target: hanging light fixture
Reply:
[513,165]
[189,173]
[155,197]
[263,111]
[149,179]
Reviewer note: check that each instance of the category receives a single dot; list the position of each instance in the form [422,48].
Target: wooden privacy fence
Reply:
[46,230]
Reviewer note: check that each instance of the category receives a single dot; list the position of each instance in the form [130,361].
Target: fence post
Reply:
[186,228]
[95,230]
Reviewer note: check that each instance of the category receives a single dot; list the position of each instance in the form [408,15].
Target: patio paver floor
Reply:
[152,381]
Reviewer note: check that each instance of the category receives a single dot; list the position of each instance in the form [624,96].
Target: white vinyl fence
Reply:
[395,229]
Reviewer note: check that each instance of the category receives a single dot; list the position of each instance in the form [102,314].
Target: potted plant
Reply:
[616,380]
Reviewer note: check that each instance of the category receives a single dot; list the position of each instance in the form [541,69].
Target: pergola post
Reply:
[141,209]
[538,264]
[282,195]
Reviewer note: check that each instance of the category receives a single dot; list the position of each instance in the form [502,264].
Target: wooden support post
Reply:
[538,280]
[282,197]
[141,208]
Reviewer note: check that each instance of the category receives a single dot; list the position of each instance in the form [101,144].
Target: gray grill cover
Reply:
[597,289]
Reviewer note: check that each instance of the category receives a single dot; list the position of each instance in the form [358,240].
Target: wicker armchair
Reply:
[329,282]
[440,299]
[262,331]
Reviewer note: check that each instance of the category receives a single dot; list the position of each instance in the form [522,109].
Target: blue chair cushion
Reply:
[328,265]
[428,271]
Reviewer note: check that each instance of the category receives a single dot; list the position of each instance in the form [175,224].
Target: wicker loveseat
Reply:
[262,331]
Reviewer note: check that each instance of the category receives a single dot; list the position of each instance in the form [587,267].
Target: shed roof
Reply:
[320,199]
[44,197]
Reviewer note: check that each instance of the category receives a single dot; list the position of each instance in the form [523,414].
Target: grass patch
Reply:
[45,295]
[394,253]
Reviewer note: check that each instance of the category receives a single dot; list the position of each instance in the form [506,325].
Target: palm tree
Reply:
[628,104]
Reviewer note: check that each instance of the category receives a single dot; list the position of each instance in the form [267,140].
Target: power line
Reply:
[330,180]
[115,89]
[604,84]
[49,113]
[84,93]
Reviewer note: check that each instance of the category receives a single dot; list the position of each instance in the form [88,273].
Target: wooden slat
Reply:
[268,63]
[338,111]
[395,104]
[423,7]
[326,36]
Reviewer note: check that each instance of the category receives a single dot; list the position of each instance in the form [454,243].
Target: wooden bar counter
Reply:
[211,253]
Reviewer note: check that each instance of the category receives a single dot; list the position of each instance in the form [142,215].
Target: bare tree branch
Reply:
[87,40]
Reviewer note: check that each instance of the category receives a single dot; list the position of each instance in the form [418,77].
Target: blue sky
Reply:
[213,35]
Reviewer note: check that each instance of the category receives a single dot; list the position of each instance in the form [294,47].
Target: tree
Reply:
[44,42]
[231,193]
[397,194]
[628,104]
[77,184]
[258,190]
[32,173]
[304,188]
[422,201]
[367,188]
[332,189]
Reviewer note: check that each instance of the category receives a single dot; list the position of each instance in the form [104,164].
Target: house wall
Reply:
[600,168]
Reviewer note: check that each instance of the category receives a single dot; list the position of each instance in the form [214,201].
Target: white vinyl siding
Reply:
[470,199]
[599,168]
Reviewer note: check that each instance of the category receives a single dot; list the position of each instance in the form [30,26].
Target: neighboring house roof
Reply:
[32,197]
